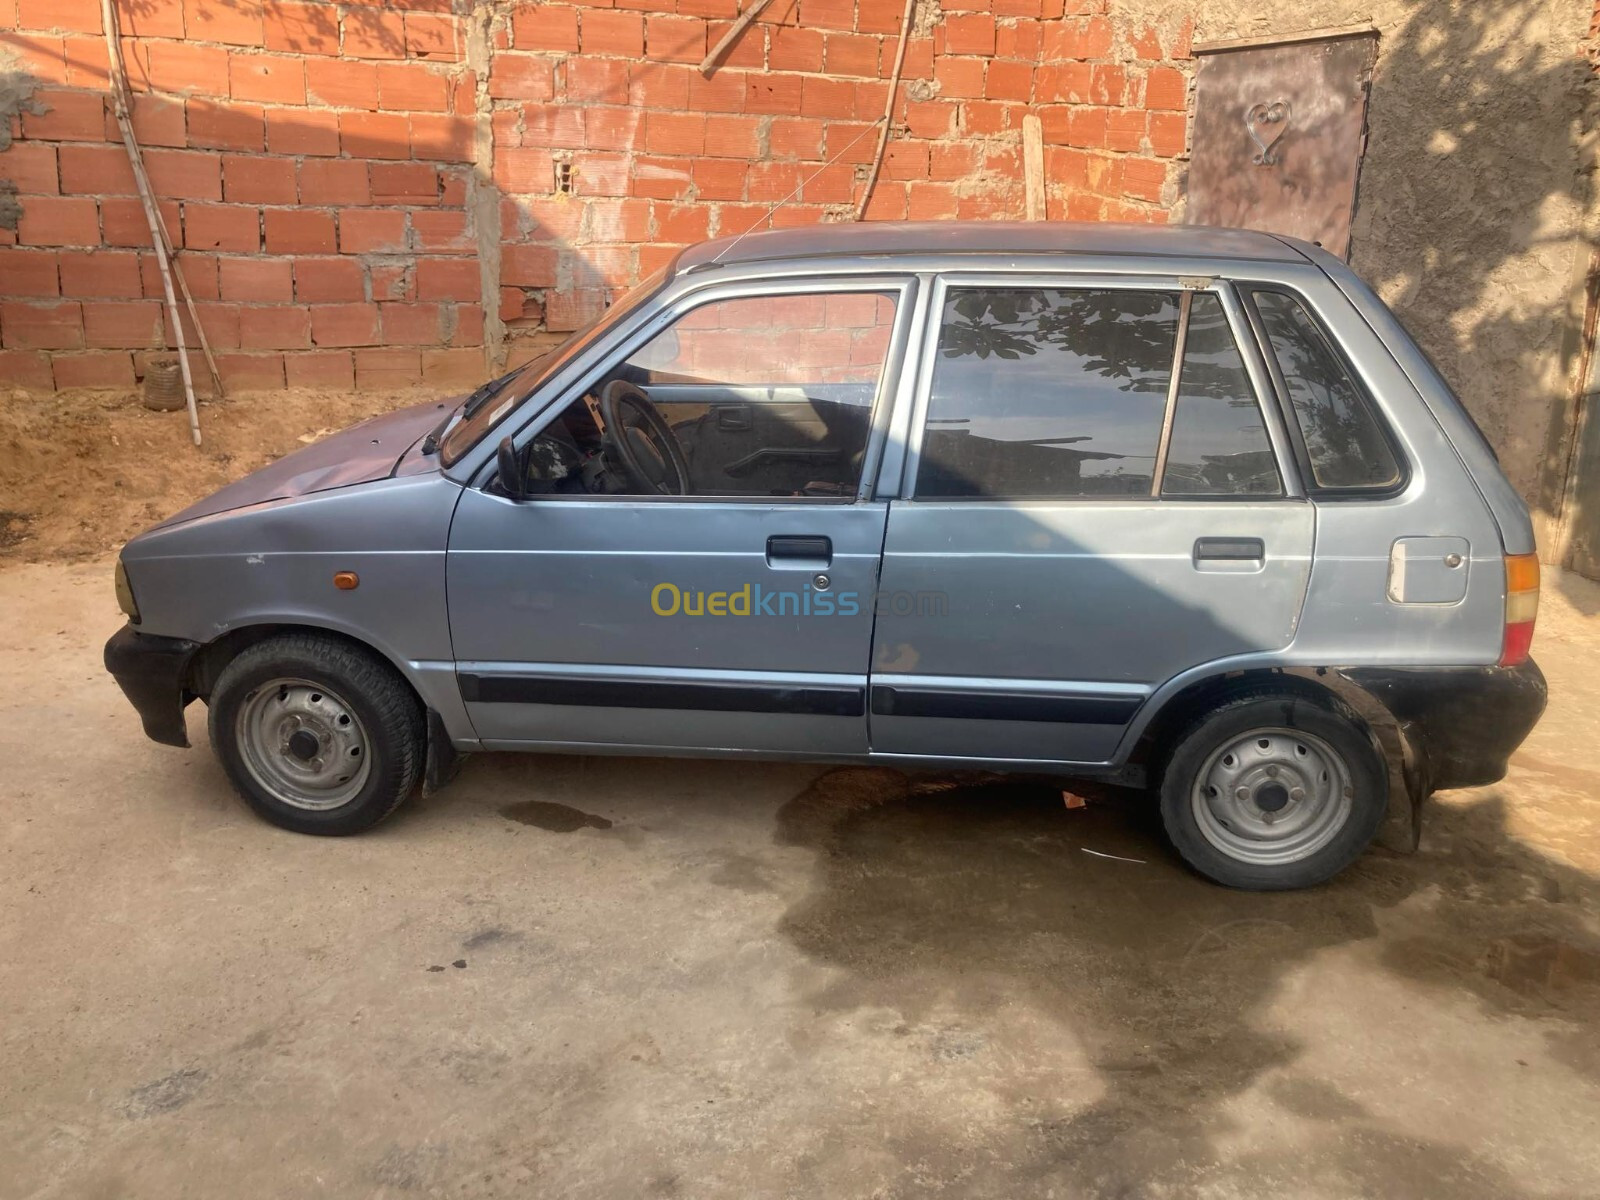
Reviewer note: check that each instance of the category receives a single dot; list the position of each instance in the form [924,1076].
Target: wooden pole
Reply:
[119,78]
[152,214]
[888,111]
[179,277]
[709,63]
[1033,166]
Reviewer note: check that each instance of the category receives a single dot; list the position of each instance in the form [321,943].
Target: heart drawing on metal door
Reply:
[1258,115]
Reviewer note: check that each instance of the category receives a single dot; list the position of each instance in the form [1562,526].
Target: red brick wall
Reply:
[332,171]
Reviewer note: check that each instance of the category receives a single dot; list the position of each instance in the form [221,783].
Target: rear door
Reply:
[1092,502]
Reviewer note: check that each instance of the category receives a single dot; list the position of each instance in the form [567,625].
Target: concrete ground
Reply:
[622,978]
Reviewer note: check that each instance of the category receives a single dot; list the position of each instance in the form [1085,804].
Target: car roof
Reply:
[923,238]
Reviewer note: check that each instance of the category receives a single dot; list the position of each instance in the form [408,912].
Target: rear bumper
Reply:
[1463,723]
[150,670]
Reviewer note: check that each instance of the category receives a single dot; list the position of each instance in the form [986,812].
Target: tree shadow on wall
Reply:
[1472,192]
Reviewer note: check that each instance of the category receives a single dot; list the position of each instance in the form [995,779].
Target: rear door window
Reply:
[1047,392]
[1062,393]
[1345,445]
[1219,441]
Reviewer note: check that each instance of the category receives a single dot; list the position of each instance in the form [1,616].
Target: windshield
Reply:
[523,382]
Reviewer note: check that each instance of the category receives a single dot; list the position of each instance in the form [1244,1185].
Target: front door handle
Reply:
[733,418]
[1229,549]
[799,551]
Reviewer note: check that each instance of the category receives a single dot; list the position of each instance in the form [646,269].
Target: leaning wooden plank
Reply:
[1033,166]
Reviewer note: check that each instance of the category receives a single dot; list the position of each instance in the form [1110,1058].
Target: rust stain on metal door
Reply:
[1278,137]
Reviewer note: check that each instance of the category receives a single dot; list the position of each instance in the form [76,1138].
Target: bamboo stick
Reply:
[136,157]
[178,276]
[152,214]
[888,111]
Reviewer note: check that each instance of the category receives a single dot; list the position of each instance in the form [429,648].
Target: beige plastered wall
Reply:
[1476,215]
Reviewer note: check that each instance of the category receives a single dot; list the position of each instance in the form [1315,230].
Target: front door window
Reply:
[754,396]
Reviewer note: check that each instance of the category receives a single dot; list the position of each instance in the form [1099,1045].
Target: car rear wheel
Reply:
[318,735]
[1269,792]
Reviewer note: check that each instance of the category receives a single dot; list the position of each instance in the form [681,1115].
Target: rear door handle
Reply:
[799,550]
[1229,549]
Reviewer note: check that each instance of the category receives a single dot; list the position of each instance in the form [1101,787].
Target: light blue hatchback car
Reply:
[1174,507]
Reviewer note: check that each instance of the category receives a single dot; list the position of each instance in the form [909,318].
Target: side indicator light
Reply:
[346,581]
[1522,608]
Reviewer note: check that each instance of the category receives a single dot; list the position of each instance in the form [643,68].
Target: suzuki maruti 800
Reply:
[1175,507]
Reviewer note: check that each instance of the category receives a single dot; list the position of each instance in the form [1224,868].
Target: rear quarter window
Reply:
[1346,445]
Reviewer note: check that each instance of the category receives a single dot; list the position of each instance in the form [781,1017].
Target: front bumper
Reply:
[151,671]
[1463,723]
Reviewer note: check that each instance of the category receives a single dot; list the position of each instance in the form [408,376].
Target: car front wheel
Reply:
[1270,792]
[317,734]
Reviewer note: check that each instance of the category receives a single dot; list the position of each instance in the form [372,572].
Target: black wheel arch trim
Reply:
[1438,727]
[162,675]
[1463,722]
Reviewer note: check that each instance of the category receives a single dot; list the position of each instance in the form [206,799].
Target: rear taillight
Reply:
[1522,606]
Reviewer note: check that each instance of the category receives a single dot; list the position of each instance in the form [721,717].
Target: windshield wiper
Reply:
[430,444]
[481,396]
[475,401]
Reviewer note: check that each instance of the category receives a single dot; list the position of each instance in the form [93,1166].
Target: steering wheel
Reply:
[641,441]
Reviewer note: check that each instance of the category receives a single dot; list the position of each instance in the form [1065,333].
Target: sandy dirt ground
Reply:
[83,471]
[624,978]
[617,978]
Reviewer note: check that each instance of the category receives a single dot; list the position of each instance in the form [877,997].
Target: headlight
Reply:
[125,594]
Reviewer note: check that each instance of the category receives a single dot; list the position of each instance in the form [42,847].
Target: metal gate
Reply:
[1279,130]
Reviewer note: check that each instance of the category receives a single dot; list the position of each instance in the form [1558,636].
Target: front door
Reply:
[733,614]
[1093,504]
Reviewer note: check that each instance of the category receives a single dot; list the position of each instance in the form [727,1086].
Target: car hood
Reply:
[359,454]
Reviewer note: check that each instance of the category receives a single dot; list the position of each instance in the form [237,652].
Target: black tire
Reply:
[1347,833]
[382,709]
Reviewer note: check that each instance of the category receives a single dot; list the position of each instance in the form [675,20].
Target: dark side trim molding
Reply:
[834,701]
[1004,706]
[704,697]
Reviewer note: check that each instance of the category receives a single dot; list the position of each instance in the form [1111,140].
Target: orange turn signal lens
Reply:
[1522,573]
[346,581]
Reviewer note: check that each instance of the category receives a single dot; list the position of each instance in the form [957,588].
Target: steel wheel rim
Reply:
[303,743]
[1272,796]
